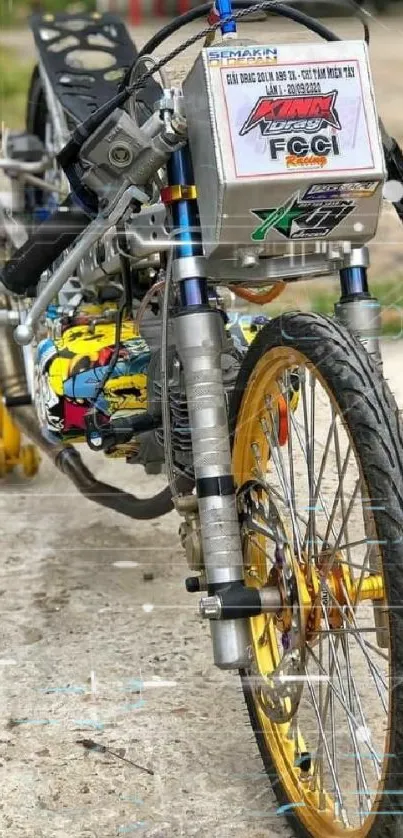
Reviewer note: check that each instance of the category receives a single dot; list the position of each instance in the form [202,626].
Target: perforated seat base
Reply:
[85,57]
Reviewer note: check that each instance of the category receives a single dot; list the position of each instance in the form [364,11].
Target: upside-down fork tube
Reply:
[199,334]
[65,457]
[199,339]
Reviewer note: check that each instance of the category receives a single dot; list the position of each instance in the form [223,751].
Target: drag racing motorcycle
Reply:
[138,212]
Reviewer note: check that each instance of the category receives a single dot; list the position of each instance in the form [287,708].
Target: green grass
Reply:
[15,74]
[321,296]
[14,13]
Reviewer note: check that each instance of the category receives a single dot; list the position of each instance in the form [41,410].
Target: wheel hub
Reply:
[311,593]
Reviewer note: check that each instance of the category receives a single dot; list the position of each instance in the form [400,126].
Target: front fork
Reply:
[357,309]
[199,338]
[361,314]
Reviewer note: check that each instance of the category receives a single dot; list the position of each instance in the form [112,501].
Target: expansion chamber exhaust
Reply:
[13,389]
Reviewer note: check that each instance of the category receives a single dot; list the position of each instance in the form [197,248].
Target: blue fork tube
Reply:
[192,291]
[353,281]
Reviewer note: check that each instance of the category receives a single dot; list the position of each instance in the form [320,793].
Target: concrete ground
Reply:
[91,648]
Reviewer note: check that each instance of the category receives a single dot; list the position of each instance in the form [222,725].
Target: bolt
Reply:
[120,154]
[210,607]
[96,440]
[249,259]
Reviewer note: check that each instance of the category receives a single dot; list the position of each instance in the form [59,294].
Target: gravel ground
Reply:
[92,649]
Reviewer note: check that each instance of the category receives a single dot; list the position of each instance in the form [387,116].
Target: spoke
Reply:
[297,533]
[290,448]
[338,792]
[363,629]
[335,548]
[355,700]
[332,714]
[322,804]
[324,459]
[353,564]
[312,504]
[360,581]
[331,688]
[338,461]
[283,500]
[376,648]
[377,676]
[362,787]
[309,436]
[319,495]
[330,527]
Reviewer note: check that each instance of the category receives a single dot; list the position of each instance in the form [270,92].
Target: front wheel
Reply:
[320,492]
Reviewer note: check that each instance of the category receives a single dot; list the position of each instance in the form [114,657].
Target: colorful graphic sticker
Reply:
[299,219]
[328,191]
[71,368]
[290,117]
[283,114]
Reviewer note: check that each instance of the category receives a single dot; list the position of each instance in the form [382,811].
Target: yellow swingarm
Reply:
[12,452]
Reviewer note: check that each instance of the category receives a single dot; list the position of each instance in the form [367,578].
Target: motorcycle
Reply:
[138,212]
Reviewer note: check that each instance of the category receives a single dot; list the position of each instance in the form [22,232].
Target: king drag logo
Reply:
[298,219]
[283,114]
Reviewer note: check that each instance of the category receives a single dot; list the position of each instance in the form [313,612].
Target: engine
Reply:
[101,384]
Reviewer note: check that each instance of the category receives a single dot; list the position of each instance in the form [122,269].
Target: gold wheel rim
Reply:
[317,816]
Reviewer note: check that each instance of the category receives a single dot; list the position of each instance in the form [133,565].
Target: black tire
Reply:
[36,113]
[372,417]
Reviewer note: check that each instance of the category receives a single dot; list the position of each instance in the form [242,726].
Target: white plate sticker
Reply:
[289,118]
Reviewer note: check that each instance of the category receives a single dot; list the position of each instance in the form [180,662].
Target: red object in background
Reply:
[135,12]
[159,8]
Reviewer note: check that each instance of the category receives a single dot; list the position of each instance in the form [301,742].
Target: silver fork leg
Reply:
[199,341]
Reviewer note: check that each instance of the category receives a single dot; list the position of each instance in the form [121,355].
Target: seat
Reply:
[85,57]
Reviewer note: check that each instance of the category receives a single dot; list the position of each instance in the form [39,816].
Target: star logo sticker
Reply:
[299,219]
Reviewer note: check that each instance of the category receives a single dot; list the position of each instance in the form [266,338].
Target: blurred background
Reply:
[143,17]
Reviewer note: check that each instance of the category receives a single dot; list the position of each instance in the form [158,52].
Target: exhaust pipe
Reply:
[13,387]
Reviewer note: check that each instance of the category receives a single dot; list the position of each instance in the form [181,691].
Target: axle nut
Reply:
[210,607]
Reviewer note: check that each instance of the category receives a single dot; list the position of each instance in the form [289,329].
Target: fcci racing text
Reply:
[302,151]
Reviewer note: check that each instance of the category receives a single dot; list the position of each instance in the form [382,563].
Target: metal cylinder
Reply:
[362,316]
[199,340]
[12,375]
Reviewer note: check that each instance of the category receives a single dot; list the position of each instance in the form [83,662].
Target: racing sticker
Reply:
[297,117]
[327,191]
[283,114]
[241,56]
[301,219]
